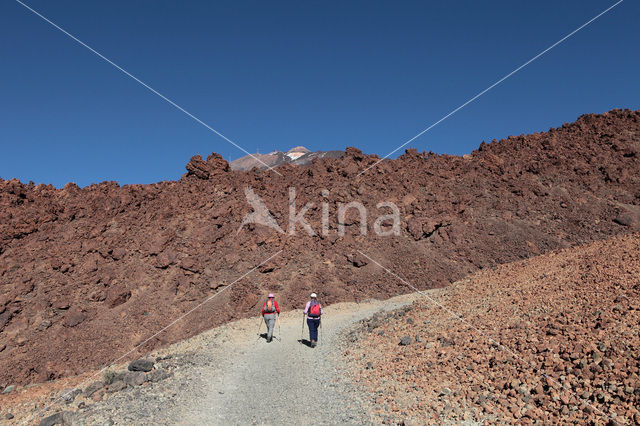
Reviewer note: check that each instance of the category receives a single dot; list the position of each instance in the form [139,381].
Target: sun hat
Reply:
[313,295]
[271,295]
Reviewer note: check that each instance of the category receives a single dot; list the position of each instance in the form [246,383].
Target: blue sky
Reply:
[273,75]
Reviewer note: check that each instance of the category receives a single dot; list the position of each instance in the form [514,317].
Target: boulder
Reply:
[68,395]
[156,376]
[116,386]
[61,418]
[626,218]
[134,378]
[141,365]
[357,260]
[74,318]
[201,169]
[92,388]
[197,167]
[117,294]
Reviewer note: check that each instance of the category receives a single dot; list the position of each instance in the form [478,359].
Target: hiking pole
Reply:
[259,328]
[279,329]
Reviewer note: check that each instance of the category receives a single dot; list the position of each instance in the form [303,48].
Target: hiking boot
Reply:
[313,343]
[269,339]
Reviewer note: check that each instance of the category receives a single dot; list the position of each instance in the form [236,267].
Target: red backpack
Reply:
[314,309]
[269,307]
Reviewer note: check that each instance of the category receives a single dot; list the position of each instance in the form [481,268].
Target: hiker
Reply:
[269,311]
[313,311]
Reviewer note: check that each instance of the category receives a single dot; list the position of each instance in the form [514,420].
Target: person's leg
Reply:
[270,320]
[313,331]
[310,324]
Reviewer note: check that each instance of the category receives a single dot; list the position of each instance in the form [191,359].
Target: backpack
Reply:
[314,309]
[269,307]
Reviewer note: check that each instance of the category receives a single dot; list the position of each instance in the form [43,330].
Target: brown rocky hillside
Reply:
[87,273]
[553,339]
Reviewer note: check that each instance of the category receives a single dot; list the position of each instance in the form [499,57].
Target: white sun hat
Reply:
[313,295]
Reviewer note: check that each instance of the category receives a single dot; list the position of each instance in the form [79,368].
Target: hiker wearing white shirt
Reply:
[313,310]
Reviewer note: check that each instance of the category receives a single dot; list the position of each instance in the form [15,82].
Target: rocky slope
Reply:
[87,273]
[552,339]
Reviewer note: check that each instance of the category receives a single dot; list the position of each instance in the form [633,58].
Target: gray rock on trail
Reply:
[116,386]
[406,340]
[156,376]
[141,365]
[61,418]
[68,395]
[9,389]
[92,388]
[135,378]
[445,391]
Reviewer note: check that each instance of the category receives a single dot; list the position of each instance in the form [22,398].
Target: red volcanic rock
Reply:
[133,257]
[74,318]
[523,341]
[117,295]
[214,165]
[357,259]
[628,218]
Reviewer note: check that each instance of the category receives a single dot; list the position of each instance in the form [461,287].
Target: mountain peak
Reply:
[299,149]
[298,155]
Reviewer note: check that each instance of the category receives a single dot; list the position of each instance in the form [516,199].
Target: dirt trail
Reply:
[229,375]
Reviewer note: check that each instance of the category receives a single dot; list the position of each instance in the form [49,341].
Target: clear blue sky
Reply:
[273,75]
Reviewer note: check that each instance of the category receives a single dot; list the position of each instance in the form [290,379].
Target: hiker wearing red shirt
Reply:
[313,311]
[269,311]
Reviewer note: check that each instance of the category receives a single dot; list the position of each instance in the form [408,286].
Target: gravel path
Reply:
[229,375]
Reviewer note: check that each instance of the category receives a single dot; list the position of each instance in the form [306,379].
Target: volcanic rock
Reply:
[134,378]
[506,363]
[61,418]
[116,386]
[141,365]
[357,260]
[214,165]
[74,318]
[92,388]
[156,375]
[406,341]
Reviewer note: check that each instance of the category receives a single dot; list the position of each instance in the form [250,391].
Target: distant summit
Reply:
[299,155]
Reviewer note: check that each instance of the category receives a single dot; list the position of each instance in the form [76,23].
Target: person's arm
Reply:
[306,308]
[277,307]
[321,310]
[263,309]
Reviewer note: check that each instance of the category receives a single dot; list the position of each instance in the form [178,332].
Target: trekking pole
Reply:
[279,329]
[259,328]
